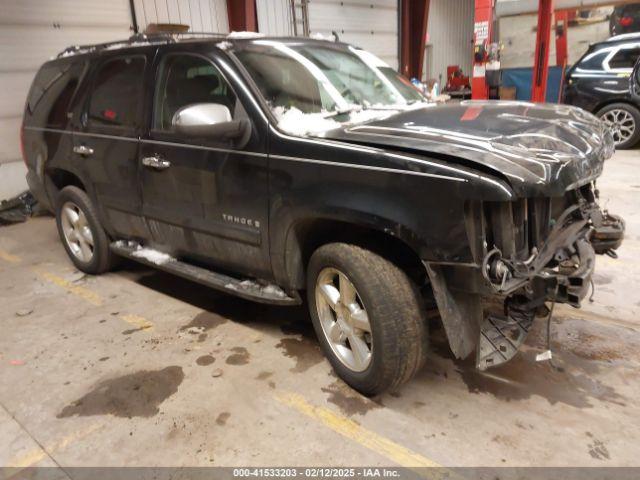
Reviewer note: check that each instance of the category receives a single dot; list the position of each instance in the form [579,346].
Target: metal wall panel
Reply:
[450,37]
[201,15]
[275,17]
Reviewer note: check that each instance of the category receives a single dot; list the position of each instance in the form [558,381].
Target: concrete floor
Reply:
[140,368]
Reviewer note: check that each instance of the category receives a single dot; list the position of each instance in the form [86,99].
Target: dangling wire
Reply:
[553,304]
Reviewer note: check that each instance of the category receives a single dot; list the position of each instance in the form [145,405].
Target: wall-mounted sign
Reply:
[481,31]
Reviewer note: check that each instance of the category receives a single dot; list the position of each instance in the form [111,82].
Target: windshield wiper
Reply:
[345,111]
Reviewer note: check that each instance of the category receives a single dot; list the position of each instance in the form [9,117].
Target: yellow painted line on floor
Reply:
[351,430]
[36,455]
[82,292]
[137,321]
[7,257]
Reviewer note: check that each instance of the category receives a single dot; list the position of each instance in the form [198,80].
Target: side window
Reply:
[117,92]
[593,61]
[52,92]
[625,58]
[186,80]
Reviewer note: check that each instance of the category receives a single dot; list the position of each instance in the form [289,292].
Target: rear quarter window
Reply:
[51,93]
[592,61]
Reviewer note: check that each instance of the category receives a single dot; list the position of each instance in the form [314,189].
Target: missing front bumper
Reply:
[560,272]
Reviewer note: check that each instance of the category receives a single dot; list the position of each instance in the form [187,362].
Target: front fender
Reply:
[416,200]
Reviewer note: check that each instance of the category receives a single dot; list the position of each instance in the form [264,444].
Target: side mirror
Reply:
[211,120]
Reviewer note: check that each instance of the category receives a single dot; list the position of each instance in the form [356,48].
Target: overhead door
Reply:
[370,24]
[31,32]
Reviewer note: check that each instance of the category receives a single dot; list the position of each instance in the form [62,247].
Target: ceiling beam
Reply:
[505,8]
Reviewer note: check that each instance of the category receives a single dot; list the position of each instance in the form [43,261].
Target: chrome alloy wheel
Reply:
[622,124]
[77,232]
[344,319]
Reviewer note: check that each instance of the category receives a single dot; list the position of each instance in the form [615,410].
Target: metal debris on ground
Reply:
[18,209]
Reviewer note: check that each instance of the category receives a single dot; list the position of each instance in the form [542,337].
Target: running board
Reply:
[245,288]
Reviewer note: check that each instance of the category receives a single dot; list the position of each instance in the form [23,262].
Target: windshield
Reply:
[331,80]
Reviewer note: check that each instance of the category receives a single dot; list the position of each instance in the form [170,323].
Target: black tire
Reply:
[632,141]
[395,310]
[102,259]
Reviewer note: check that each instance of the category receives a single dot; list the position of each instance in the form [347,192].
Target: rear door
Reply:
[634,83]
[586,79]
[209,200]
[107,140]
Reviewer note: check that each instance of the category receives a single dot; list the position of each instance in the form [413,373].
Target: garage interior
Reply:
[138,368]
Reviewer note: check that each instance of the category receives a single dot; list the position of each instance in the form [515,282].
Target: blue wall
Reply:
[521,78]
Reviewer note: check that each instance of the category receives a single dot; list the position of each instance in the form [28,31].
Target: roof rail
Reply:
[204,34]
[137,39]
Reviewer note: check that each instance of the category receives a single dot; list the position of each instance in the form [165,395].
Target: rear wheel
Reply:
[624,121]
[368,316]
[83,237]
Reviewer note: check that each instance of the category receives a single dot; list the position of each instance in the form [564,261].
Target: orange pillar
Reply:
[482,26]
[541,60]
[562,26]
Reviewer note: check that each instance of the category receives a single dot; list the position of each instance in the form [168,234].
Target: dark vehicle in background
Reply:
[634,83]
[272,168]
[599,83]
[625,19]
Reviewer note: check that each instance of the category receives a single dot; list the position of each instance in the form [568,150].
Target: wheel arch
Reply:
[613,101]
[58,178]
[308,234]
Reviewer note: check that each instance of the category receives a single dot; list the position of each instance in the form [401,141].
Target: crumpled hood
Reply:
[540,149]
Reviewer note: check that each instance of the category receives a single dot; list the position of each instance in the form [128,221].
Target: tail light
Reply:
[626,21]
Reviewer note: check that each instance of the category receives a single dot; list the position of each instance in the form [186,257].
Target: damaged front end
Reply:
[528,252]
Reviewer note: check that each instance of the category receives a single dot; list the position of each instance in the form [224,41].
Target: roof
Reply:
[623,37]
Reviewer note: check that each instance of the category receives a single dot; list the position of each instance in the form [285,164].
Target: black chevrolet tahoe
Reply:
[274,168]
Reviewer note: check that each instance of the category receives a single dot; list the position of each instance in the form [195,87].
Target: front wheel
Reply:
[624,121]
[368,316]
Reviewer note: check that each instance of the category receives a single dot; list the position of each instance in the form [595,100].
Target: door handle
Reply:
[156,162]
[83,150]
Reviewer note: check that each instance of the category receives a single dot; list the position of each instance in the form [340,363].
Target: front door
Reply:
[107,142]
[204,198]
